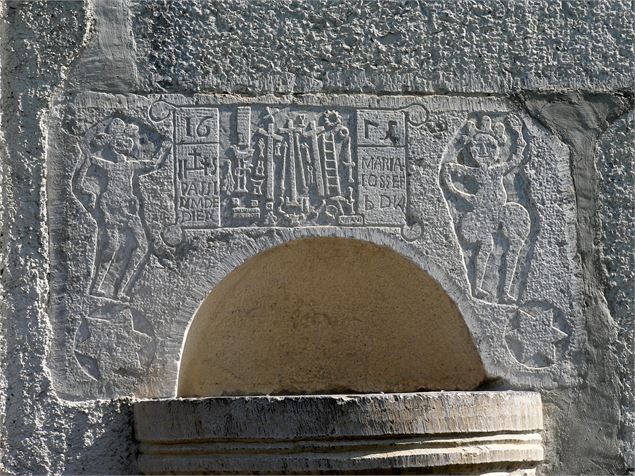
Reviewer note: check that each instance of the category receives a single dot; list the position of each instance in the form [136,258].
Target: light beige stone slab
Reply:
[450,432]
[325,315]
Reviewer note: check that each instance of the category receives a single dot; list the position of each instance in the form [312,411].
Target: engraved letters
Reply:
[288,167]
[196,171]
[381,137]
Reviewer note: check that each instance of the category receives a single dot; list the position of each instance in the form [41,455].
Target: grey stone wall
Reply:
[568,66]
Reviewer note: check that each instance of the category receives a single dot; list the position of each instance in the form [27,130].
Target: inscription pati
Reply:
[196,171]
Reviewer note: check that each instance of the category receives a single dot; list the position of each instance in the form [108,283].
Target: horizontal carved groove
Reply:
[422,433]
[336,438]
[526,442]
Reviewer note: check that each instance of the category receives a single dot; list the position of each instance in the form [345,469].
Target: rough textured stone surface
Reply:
[580,119]
[563,69]
[416,432]
[41,433]
[467,45]
[616,208]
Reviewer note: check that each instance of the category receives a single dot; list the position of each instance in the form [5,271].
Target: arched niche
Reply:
[327,315]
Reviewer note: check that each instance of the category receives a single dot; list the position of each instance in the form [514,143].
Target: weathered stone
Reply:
[169,195]
[418,87]
[448,432]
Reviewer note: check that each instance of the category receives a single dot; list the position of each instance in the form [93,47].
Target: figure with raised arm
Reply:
[114,152]
[490,211]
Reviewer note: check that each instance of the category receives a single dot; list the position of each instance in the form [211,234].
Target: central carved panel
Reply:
[154,199]
[287,166]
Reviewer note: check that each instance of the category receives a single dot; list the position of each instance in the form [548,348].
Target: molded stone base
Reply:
[436,432]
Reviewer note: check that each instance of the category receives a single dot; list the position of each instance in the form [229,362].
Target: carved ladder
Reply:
[332,176]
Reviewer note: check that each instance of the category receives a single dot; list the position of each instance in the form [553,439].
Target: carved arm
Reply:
[446,172]
[518,156]
[147,166]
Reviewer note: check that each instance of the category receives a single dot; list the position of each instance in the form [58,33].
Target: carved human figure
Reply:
[490,211]
[228,184]
[112,156]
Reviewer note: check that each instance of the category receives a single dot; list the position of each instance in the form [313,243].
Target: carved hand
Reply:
[517,125]
[162,153]
[165,257]
[446,171]
[521,143]
[165,146]
[447,168]
[85,148]
[90,202]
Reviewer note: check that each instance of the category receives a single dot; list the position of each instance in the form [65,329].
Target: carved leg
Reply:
[107,244]
[475,230]
[135,263]
[481,258]
[511,262]
[515,224]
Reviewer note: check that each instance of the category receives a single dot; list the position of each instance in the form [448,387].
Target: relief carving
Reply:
[114,339]
[299,173]
[474,175]
[480,173]
[115,153]
[158,182]
[288,167]
[532,337]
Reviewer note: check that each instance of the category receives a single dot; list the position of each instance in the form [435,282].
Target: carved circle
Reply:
[417,114]
[173,235]
[160,111]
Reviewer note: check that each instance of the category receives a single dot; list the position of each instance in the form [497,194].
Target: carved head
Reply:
[484,143]
[123,145]
[116,137]
[123,136]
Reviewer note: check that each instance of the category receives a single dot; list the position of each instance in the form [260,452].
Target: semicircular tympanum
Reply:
[327,315]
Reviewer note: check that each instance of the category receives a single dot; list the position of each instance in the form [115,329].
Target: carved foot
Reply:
[482,294]
[509,299]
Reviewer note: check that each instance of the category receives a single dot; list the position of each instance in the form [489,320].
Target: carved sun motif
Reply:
[332,118]
[531,338]
[114,345]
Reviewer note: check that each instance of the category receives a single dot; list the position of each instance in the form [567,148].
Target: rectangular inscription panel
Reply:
[381,137]
[382,185]
[289,166]
[196,167]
